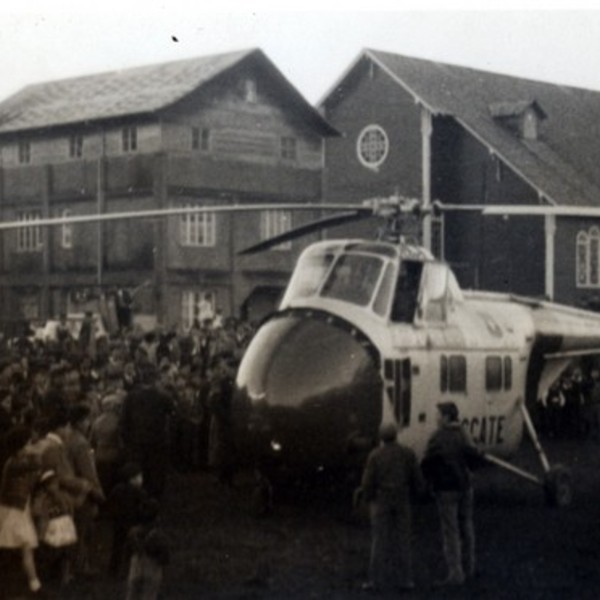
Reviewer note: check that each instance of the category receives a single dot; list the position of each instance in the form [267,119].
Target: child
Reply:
[50,503]
[149,557]
[17,531]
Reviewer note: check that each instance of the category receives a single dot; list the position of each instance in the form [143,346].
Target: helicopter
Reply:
[375,332]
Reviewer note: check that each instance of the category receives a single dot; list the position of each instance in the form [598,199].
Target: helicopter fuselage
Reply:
[371,333]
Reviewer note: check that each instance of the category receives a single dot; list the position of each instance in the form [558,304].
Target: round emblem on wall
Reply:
[372,146]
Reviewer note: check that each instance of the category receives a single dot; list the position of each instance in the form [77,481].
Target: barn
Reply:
[436,131]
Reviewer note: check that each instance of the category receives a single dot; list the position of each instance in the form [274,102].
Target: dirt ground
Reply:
[315,546]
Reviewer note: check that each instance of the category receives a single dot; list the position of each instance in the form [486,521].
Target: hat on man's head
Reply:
[388,432]
[449,410]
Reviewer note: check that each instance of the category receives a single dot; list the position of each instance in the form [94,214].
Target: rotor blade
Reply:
[542,211]
[313,226]
[169,212]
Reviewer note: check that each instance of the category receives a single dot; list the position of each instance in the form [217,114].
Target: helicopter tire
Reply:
[558,487]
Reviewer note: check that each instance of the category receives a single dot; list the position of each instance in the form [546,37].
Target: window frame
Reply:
[288,148]
[273,223]
[76,145]
[369,130]
[24,152]
[453,374]
[129,139]
[66,231]
[198,230]
[190,305]
[29,239]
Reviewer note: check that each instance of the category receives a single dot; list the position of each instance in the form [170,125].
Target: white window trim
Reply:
[66,231]
[29,239]
[274,223]
[190,305]
[584,240]
[198,230]
[372,128]
[129,139]
[76,145]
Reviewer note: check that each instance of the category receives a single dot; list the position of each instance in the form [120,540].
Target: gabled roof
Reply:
[562,164]
[135,91]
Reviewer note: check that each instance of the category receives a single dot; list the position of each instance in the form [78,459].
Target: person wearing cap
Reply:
[447,463]
[390,476]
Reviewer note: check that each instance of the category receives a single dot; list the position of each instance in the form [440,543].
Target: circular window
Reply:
[372,146]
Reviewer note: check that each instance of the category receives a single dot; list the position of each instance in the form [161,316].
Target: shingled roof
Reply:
[562,164]
[134,91]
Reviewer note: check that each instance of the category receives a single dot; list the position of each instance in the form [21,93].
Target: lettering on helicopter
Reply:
[487,431]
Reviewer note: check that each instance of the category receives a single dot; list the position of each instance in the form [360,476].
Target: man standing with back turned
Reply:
[390,476]
[449,456]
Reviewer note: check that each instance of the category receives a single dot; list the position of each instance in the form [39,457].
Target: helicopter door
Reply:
[397,375]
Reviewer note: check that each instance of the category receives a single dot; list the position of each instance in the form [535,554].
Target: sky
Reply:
[311,42]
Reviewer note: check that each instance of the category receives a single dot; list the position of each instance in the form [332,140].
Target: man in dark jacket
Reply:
[144,421]
[449,456]
[390,476]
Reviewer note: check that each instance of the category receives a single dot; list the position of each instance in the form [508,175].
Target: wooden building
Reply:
[462,136]
[223,129]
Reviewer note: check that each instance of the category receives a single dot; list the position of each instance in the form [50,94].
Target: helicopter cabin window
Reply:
[498,373]
[353,279]
[453,373]
[407,291]
[588,258]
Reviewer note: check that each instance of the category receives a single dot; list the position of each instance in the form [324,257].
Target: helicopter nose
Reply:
[308,391]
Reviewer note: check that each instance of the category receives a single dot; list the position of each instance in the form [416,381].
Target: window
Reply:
[29,239]
[200,139]
[453,374]
[76,146]
[66,237]
[493,373]
[193,304]
[197,229]
[507,373]
[587,258]
[24,152]
[498,373]
[250,89]
[437,236]
[353,279]
[289,149]
[274,223]
[372,146]
[129,139]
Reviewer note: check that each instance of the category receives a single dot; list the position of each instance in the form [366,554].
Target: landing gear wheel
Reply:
[558,487]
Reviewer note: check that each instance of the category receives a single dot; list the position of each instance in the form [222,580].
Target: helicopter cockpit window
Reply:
[407,291]
[439,290]
[309,275]
[353,279]
[382,299]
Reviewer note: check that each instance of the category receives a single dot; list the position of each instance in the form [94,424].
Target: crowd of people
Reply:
[88,425]
[571,407]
